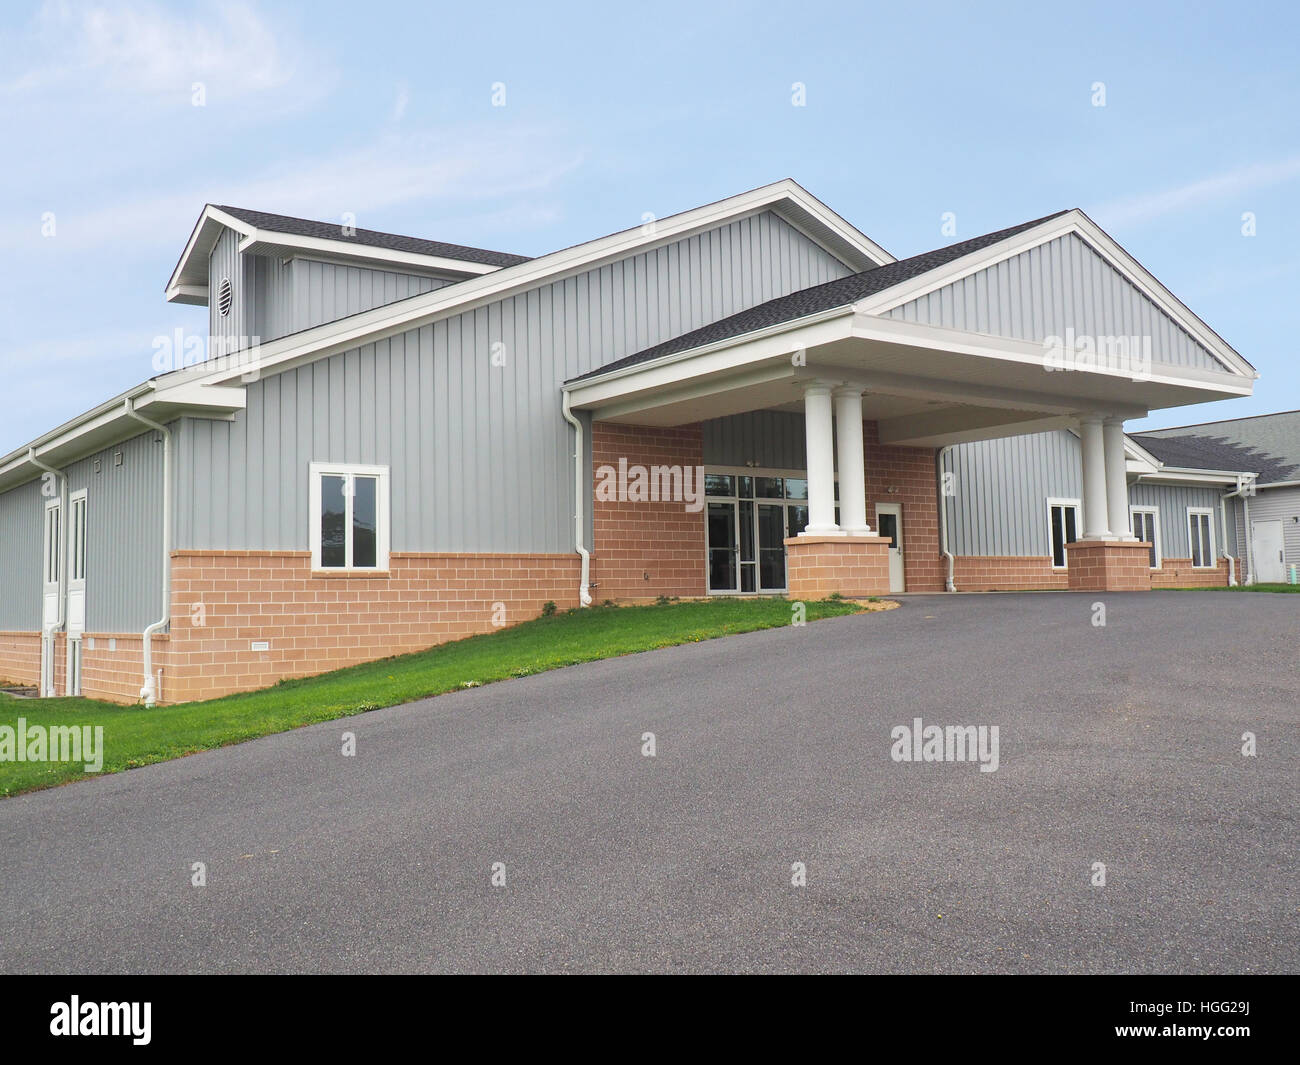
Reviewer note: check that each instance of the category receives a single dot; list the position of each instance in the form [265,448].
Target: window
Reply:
[349,517]
[53,541]
[1146,526]
[1200,534]
[77,534]
[1063,527]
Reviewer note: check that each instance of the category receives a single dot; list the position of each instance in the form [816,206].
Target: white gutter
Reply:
[48,630]
[579,490]
[149,690]
[949,584]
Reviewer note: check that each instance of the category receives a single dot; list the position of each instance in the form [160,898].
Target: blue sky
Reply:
[385,110]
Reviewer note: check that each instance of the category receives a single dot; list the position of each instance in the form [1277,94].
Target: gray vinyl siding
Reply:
[224,263]
[123,534]
[1045,290]
[481,457]
[1001,488]
[1273,504]
[22,519]
[1173,502]
[770,439]
[288,297]
[123,541]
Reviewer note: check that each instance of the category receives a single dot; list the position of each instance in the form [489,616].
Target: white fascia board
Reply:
[1074,221]
[870,253]
[1032,353]
[1183,475]
[196,295]
[381,322]
[1277,484]
[208,214]
[724,355]
[270,240]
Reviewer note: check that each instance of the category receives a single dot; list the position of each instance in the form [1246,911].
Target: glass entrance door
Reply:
[723,548]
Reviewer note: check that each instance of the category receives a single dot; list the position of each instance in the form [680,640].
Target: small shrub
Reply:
[548,608]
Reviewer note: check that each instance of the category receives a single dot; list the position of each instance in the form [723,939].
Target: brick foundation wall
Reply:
[854,566]
[1007,573]
[1179,573]
[1108,566]
[911,470]
[645,549]
[318,623]
[20,657]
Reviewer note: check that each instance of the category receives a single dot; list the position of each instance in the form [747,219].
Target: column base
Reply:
[1108,566]
[819,565]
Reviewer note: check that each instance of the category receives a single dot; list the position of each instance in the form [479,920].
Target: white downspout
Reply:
[1248,577]
[48,633]
[149,690]
[1223,525]
[579,490]
[949,584]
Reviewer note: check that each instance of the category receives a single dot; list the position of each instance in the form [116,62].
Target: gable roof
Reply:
[304,227]
[1194,452]
[842,292]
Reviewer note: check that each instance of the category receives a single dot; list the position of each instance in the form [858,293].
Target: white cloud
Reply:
[451,168]
[1233,183]
[138,48]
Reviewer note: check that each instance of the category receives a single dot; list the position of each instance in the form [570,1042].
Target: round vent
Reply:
[225,296]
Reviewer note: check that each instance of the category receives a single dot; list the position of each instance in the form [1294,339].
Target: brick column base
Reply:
[854,566]
[1108,566]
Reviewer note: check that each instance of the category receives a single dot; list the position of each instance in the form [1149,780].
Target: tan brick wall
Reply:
[20,657]
[1179,573]
[911,470]
[1006,573]
[853,566]
[318,623]
[647,548]
[1109,566]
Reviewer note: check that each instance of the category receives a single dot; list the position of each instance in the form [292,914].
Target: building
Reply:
[387,442]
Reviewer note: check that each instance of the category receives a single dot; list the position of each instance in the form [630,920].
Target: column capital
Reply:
[1090,418]
[846,389]
[816,386]
[1113,419]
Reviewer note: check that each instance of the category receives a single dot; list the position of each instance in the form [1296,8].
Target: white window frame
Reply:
[1208,512]
[1155,513]
[77,535]
[383,516]
[1077,504]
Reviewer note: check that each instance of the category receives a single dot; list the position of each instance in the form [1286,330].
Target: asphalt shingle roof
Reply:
[824,297]
[1197,452]
[305,227]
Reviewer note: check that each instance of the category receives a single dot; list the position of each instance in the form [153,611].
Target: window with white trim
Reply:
[349,517]
[1146,526]
[77,535]
[1200,534]
[1062,527]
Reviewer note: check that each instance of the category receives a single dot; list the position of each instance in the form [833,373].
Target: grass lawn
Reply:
[136,736]
[1240,588]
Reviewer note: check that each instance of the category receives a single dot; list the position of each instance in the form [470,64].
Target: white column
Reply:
[821,460]
[1096,524]
[853,470]
[1112,435]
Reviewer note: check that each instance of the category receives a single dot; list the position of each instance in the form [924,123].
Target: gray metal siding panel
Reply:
[1173,501]
[770,439]
[324,292]
[1045,290]
[480,454]
[22,519]
[1001,488]
[223,264]
[1280,503]
[123,534]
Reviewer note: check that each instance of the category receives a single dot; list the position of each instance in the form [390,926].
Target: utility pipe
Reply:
[1249,576]
[149,690]
[949,584]
[579,520]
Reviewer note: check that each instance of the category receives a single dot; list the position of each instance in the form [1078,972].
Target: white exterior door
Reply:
[51,569]
[1267,546]
[889,522]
